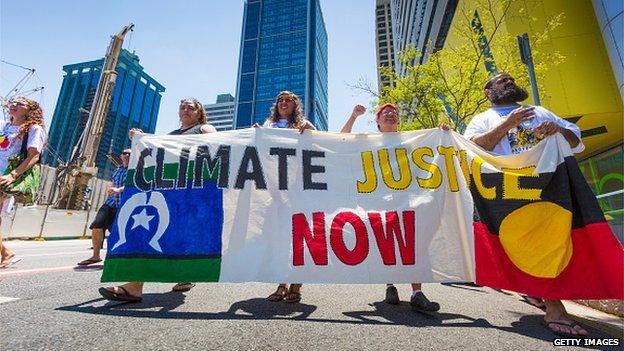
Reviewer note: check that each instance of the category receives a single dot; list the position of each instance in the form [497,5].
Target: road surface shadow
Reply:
[89,268]
[163,305]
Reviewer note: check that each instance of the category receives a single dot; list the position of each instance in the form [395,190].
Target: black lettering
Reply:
[183,168]
[139,172]
[309,169]
[256,174]
[220,164]
[282,164]
[159,177]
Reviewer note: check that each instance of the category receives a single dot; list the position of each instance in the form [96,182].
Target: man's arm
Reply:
[548,128]
[488,140]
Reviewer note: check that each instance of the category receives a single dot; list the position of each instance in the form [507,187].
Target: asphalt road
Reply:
[46,303]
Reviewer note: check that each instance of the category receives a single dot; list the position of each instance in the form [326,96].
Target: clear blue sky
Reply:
[191,47]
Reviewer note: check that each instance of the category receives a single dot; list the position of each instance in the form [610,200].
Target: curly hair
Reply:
[203,118]
[296,119]
[33,117]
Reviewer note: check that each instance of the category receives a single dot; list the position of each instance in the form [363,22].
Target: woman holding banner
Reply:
[287,113]
[193,120]
[388,122]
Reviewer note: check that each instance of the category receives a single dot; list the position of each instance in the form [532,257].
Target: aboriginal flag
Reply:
[544,233]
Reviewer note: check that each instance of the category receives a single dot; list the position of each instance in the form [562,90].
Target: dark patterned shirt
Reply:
[118,178]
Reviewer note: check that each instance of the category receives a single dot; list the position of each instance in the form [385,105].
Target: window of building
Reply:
[604,175]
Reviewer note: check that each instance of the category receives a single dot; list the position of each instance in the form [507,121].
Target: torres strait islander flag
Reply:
[274,205]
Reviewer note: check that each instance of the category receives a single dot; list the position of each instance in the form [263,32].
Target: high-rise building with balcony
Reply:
[383,40]
[283,47]
[221,113]
[135,104]
[423,24]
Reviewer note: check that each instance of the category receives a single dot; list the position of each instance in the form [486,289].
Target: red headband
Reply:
[382,107]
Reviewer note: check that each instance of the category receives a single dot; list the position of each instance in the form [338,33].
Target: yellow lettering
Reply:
[511,184]
[463,163]
[405,174]
[448,153]
[434,181]
[486,193]
[370,176]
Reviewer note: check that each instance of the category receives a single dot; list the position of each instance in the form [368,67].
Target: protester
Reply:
[23,136]
[287,113]
[193,120]
[106,214]
[388,122]
[510,128]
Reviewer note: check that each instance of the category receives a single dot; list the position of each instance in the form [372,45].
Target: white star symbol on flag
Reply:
[141,219]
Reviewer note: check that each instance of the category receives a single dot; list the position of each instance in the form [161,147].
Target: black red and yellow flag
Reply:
[539,229]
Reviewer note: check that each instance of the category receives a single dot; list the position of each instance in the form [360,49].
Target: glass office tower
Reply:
[283,47]
[135,104]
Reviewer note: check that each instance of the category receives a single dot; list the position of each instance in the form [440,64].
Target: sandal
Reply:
[278,295]
[569,324]
[119,296]
[182,287]
[292,297]
[535,301]
[89,261]
[9,261]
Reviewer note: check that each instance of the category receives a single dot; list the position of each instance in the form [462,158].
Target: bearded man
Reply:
[508,128]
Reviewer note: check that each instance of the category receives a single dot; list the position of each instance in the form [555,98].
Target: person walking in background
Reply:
[22,140]
[388,122]
[106,214]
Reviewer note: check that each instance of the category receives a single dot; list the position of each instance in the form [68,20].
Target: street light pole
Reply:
[527,59]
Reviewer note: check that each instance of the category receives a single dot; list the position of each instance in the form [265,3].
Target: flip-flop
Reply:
[278,295]
[292,297]
[113,296]
[570,325]
[88,262]
[182,287]
[535,302]
[10,261]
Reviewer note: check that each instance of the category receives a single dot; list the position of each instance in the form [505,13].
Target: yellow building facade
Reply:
[583,88]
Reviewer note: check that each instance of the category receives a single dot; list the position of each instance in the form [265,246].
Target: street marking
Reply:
[4,299]
[36,270]
[57,253]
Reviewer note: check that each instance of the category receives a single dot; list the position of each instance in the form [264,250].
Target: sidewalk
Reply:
[608,323]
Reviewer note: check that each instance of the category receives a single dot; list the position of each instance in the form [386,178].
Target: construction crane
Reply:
[74,177]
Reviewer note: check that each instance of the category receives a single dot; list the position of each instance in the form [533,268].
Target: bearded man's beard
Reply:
[509,95]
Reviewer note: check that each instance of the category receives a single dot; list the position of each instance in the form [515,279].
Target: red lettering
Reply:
[336,239]
[385,240]
[316,242]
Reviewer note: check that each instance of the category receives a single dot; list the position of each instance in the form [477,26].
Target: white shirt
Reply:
[521,138]
[11,142]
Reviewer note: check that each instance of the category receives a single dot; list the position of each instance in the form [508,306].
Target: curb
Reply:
[607,323]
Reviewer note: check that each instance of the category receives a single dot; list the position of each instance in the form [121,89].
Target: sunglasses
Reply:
[125,153]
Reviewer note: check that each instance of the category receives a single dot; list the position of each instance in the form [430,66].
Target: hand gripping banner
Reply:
[274,205]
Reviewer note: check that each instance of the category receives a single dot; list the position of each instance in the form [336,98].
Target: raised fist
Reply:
[358,110]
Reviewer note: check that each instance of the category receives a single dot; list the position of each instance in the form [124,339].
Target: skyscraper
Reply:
[221,113]
[383,39]
[423,24]
[283,47]
[135,104]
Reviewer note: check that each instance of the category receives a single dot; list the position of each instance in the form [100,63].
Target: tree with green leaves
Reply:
[448,85]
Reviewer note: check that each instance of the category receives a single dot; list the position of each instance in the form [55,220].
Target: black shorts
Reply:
[104,218]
